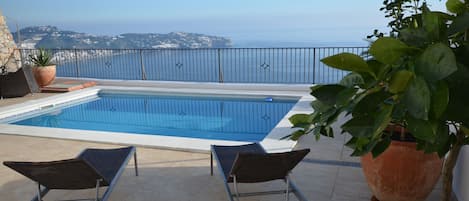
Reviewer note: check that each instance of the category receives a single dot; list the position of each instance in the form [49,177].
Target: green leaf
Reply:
[370,125]
[417,98]
[351,143]
[314,117]
[461,55]
[348,62]
[300,121]
[459,24]
[420,129]
[370,81]
[344,96]
[440,99]
[297,134]
[326,116]
[361,147]
[399,111]
[378,68]
[437,62]
[317,131]
[455,6]
[414,36]
[388,50]
[465,131]
[318,106]
[458,108]
[351,80]
[370,103]
[382,119]
[327,94]
[431,23]
[328,132]
[381,146]
[359,126]
[399,81]
[427,147]
[443,143]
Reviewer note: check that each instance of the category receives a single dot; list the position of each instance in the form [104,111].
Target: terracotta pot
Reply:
[44,75]
[402,173]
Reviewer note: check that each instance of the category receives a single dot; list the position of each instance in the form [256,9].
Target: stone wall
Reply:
[9,55]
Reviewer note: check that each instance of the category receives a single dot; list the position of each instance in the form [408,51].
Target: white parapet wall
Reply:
[461,175]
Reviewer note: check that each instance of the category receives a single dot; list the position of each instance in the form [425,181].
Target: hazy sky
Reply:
[320,21]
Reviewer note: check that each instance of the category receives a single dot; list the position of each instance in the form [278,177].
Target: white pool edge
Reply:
[272,142]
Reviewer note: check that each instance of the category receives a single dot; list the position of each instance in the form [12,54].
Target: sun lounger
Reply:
[17,84]
[252,164]
[93,168]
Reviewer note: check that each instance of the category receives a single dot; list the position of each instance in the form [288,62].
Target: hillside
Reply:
[52,37]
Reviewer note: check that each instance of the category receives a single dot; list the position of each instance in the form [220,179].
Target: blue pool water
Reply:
[247,119]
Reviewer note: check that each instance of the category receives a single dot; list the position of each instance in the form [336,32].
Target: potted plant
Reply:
[44,70]
[406,103]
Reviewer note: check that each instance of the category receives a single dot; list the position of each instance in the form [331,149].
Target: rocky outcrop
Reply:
[9,55]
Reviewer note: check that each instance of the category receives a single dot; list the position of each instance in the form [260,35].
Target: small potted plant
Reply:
[43,69]
[406,102]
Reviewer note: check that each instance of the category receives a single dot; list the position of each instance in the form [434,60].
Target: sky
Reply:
[341,22]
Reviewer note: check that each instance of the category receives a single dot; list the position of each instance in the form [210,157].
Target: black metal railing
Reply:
[224,65]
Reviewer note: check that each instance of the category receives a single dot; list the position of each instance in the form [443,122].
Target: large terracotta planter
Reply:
[402,173]
[44,75]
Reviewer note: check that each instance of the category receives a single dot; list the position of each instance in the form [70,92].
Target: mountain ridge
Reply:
[53,37]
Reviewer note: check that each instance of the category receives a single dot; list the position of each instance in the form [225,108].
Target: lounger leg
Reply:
[39,192]
[287,192]
[235,184]
[97,189]
[296,191]
[211,163]
[135,163]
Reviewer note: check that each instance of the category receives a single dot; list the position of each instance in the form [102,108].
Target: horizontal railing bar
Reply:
[213,48]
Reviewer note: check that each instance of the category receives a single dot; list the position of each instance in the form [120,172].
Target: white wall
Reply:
[461,175]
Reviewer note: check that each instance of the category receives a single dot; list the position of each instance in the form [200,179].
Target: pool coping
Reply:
[272,142]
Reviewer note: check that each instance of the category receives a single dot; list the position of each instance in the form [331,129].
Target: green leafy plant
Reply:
[42,59]
[416,77]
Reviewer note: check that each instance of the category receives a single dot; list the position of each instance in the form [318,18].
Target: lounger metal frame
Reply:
[290,186]
[42,191]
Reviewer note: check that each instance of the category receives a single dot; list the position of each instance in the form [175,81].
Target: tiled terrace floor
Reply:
[327,174]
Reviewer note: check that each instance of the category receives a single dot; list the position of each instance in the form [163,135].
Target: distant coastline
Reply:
[54,38]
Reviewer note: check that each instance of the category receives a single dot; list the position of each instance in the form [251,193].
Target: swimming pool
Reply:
[246,118]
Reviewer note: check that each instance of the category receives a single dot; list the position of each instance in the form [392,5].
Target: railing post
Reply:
[314,65]
[142,66]
[220,69]
[76,63]
[21,56]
